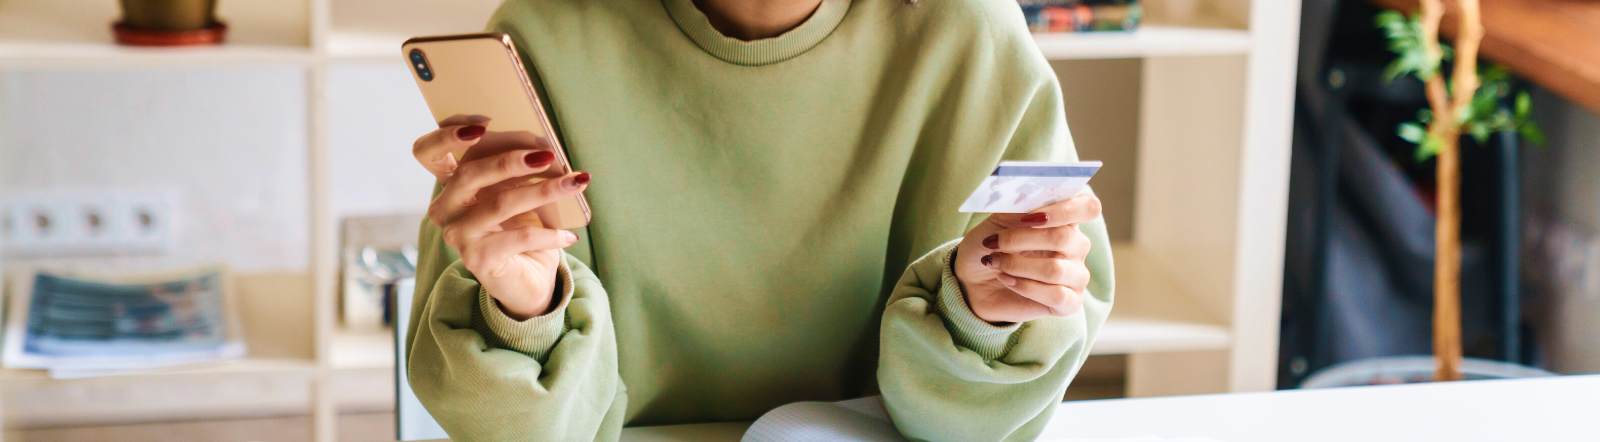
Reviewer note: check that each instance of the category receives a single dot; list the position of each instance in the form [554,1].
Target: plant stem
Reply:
[1448,105]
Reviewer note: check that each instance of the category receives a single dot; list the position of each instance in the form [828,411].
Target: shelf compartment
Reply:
[1148,41]
[243,388]
[361,350]
[1154,313]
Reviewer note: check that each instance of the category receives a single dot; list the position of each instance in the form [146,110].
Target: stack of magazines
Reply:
[77,326]
[1081,15]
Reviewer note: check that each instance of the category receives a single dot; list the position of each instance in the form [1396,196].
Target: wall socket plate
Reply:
[88,222]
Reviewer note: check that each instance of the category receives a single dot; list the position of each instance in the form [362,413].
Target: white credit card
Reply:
[1025,186]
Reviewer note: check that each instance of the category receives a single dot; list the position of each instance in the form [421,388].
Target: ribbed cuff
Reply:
[537,335]
[988,340]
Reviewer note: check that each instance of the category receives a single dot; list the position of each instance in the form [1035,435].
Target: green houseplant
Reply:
[1467,103]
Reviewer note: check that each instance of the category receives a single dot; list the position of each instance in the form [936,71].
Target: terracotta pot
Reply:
[169,15]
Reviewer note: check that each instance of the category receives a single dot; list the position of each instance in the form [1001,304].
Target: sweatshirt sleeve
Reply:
[948,376]
[945,374]
[485,376]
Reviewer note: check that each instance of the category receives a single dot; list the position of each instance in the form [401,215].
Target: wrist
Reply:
[523,308]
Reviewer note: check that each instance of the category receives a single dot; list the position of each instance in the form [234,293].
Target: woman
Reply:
[775,191]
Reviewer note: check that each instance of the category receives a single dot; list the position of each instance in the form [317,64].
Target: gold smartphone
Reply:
[470,76]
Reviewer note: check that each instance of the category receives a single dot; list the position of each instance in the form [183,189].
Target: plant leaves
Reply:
[1482,107]
[1387,18]
[1523,106]
[1480,133]
[1428,148]
[1404,36]
[1531,133]
[1411,131]
[1494,73]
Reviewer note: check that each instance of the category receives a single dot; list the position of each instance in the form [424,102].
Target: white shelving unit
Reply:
[1198,283]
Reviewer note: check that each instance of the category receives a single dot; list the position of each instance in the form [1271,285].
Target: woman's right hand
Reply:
[516,263]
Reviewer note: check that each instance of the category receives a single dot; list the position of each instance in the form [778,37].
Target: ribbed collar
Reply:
[760,52]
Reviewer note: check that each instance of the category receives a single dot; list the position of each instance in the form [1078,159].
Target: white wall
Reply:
[229,142]
[376,112]
[1562,189]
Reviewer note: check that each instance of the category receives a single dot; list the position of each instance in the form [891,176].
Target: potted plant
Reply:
[1466,104]
[169,23]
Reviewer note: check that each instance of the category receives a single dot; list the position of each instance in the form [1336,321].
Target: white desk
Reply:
[1526,410]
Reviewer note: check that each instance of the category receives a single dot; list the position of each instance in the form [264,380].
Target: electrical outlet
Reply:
[91,222]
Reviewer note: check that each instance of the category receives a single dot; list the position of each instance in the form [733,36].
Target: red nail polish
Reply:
[988,260]
[992,242]
[576,181]
[539,159]
[470,133]
[1035,219]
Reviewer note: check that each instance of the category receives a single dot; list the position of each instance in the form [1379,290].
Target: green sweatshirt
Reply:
[773,222]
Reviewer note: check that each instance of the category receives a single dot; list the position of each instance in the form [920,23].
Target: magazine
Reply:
[78,325]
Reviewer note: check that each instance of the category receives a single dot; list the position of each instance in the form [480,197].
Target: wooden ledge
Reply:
[1553,43]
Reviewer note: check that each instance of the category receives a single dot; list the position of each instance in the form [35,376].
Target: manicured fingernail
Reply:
[1008,280]
[570,237]
[576,181]
[992,242]
[1035,219]
[539,159]
[988,261]
[470,133]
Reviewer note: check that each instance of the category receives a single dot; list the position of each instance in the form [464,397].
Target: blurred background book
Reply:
[1081,15]
[83,326]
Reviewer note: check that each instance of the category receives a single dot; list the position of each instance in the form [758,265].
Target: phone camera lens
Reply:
[420,64]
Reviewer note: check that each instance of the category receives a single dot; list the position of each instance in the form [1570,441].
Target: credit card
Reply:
[1025,186]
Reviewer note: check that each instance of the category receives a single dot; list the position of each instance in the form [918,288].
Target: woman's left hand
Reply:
[1017,267]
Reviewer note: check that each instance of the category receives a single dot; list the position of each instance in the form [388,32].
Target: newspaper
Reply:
[79,326]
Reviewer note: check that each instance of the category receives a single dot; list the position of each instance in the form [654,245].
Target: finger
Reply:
[433,149]
[1059,299]
[1047,270]
[472,177]
[504,205]
[492,252]
[1082,208]
[1064,240]
[462,120]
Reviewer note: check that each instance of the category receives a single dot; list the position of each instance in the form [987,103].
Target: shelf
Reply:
[361,350]
[1148,41]
[242,366]
[249,387]
[77,33]
[1153,313]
